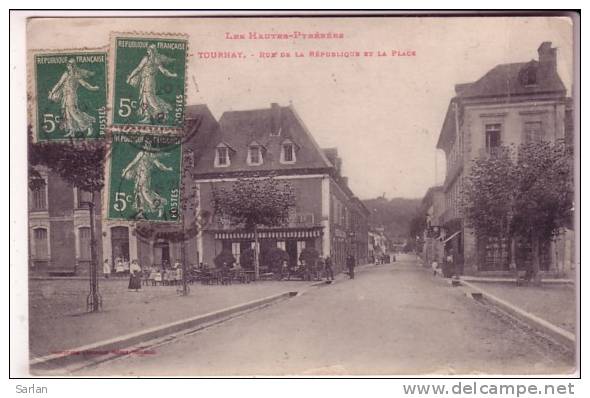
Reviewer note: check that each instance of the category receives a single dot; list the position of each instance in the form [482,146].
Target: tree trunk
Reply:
[256,255]
[513,266]
[536,266]
[93,301]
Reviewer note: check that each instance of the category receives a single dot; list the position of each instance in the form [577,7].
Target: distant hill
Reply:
[393,214]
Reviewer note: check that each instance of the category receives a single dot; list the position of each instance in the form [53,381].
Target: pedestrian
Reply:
[328,269]
[450,263]
[434,267]
[306,270]
[106,269]
[134,276]
[284,269]
[350,264]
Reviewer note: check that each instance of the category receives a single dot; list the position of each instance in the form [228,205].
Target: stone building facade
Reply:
[511,104]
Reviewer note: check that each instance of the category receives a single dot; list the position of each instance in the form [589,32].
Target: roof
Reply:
[238,129]
[505,82]
[449,126]
[509,79]
[201,126]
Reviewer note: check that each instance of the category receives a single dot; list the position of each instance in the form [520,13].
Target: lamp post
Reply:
[94,299]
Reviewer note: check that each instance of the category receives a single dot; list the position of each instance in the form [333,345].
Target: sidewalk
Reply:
[554,303]
[58,320]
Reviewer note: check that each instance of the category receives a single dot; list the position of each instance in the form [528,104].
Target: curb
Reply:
[548,281]
[123,343]
[561,335]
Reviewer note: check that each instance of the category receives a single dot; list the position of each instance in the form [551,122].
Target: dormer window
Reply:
[255,154]
[222,156]
[528,74]
[288,152]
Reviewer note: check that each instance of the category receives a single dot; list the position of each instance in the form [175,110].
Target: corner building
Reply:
[261,142]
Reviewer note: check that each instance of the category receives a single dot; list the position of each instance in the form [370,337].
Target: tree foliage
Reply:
[255,201]
[544,189]
[525,194]
[79,163]
[273,258]
[225,257]
[488,192]
[247,259]
[310,255]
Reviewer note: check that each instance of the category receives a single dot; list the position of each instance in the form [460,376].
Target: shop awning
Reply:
[278,234]
[451,237]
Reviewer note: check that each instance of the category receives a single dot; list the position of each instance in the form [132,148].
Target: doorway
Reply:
[162,254]
[120,243]
[291,249]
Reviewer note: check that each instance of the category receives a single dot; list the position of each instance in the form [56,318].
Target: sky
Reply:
[384,114]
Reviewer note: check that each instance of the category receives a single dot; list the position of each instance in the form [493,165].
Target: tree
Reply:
[81,164]
[526,195]
[224,258]
[273,258]
[254,202]
[488,196]
[544,193]
[416,229]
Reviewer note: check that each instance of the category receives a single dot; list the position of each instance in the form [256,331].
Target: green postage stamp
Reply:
[70,95]
[149,83]
[144,177]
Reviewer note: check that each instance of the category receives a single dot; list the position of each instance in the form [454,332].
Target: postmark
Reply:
[144,177]
[149,82]
[70,95]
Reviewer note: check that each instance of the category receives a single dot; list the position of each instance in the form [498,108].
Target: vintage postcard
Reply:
[302,196]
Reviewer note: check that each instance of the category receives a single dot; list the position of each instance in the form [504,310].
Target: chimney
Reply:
[345,180]
[547,56]
[275,119]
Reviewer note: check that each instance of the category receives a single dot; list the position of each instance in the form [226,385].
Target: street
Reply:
[394,319]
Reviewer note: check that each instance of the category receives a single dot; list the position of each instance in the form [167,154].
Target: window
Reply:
[83,196]
[493,137]
[533,132]
[222,156]
[528,75]
[254,155]
[235,251]
[300,247]
[40,198]
[40,243]
[84,241]
[288,152]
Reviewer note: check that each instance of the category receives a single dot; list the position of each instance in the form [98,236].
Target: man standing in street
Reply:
[350,263]
[328,269]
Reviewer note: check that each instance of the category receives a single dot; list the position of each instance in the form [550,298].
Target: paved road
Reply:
[392,319]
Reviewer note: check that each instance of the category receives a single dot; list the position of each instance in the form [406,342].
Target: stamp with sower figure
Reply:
[70,95]
[149,83]
[144,180]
